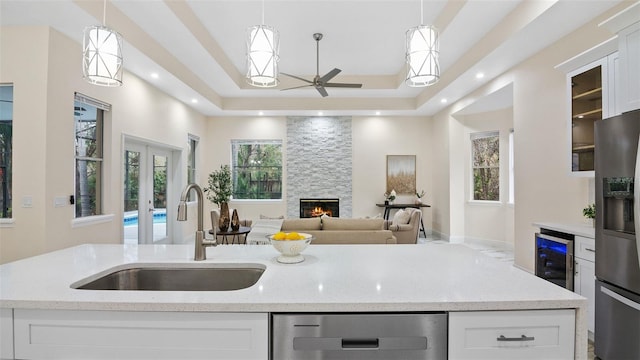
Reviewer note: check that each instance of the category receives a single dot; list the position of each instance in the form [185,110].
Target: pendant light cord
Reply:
[421,13]
[262,12]
[104,13]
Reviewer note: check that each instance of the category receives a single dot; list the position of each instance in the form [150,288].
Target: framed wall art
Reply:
[401,174]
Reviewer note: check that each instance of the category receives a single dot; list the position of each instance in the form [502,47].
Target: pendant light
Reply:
[423,50]
[102,54]
[262,55]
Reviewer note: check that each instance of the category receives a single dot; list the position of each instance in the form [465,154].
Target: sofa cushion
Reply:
[302,224]
[401,217]
[330,223]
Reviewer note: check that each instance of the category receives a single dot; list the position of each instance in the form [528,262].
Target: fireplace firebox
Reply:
[317,207]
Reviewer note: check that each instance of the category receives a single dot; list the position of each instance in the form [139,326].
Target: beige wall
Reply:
[373,138]
[45,69]
[487,220]
[544,188]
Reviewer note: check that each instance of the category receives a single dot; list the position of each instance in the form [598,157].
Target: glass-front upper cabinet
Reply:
[592,98]
[586,108]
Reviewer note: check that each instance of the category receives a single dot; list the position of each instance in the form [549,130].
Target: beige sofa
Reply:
[329,230]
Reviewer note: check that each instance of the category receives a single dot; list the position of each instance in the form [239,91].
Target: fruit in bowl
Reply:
[290,245]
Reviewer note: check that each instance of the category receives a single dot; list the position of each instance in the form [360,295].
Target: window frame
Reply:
[7,173]
[192,168]
[478,136]
[234,166]
[97,158]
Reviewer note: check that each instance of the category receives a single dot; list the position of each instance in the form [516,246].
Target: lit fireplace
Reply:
[318,207]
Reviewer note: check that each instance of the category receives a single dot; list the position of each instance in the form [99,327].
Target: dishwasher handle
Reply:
[372,343]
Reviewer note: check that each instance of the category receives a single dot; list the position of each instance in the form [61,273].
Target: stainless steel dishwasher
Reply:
[391,336]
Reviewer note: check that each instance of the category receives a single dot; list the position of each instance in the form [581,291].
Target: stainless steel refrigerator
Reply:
[617,176]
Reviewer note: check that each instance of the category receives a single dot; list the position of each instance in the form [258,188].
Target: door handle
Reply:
[620,298]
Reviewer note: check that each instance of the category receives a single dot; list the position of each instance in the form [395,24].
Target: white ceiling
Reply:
[197,47]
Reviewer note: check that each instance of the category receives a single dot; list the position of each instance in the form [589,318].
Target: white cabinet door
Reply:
[6,334]
[57,334]
[534,334]
[585,275]
[629,45]
[585,285]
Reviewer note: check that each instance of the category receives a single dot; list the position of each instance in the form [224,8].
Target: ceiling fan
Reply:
[320,83]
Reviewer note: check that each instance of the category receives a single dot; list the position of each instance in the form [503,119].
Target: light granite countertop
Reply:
[585,230]
[438,277]
[333,278]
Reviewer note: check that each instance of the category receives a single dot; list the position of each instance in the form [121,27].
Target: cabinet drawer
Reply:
[58,334]
[585,248]
[534,334]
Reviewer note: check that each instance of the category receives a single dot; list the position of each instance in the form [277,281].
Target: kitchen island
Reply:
[333,278]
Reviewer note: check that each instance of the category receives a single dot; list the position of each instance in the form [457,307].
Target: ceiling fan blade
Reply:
[343,85]
[330,75]
[297,87]
[322,91]
[297,77]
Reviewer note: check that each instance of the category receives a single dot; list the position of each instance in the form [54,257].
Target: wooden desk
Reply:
[239,234]
[388,207]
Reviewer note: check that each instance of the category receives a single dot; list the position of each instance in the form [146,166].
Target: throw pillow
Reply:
[401,217]
[265,217]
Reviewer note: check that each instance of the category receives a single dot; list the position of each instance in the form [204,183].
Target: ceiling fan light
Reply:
[262,56]
[423,67]
[102,56]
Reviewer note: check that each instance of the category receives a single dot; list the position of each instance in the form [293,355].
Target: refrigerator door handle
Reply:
[636,201]
[620,298]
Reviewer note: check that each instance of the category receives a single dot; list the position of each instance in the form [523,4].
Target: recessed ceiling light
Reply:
[377,112]
[319,113]
[260,113]
[155,75]
[194,101]
[479,75]
[443,100]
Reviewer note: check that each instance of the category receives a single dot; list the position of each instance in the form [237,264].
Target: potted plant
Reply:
[219,192]
[590,212]
[419,196]
[389,197]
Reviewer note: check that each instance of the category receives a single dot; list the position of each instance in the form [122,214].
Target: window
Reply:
[511,169]
[6,147]
[256,169]
[485,155]
[191,164]
[89,118]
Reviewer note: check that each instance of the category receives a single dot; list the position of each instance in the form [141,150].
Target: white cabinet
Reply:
[6,333]
[592,90]
[626,25]
[630,67]
[585,276]
[531,334]
[58,334]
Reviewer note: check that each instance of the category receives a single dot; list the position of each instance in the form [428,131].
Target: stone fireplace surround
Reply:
[319,162]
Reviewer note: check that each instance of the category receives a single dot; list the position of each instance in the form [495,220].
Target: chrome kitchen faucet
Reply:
[200,243]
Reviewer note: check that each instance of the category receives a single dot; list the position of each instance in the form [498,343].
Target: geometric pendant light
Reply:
[102,55]
[263,43]
[423,51]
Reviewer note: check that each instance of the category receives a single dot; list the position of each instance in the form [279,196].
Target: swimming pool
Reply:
[131,218]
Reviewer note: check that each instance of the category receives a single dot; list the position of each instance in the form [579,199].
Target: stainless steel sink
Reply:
[219,277]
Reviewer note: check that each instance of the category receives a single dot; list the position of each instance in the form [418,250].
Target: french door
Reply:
[148,214]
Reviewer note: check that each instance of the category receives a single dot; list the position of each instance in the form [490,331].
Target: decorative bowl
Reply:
[291,249]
